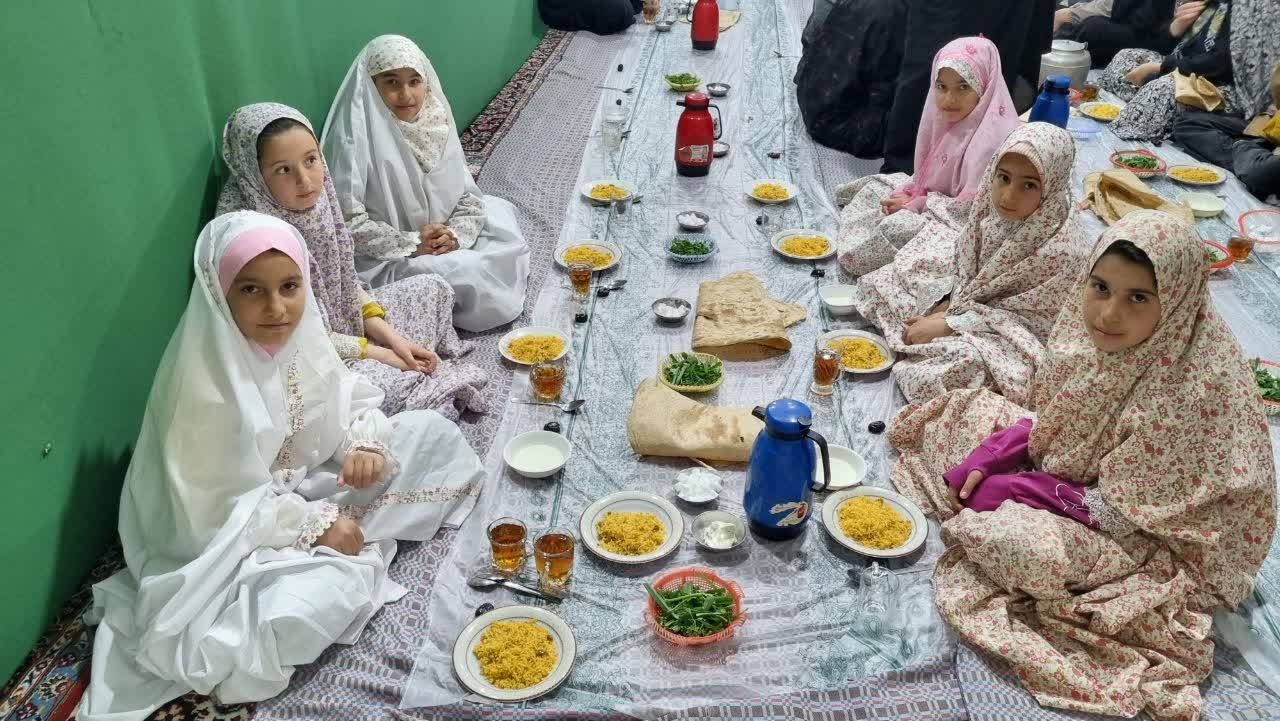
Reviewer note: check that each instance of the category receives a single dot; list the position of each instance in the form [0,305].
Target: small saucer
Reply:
[661,308]
[720,149]
[694,220]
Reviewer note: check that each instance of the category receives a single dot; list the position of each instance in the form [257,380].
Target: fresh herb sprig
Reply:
[687,369]
[693,611]
[1143,162]
[684,246]
[1267,383]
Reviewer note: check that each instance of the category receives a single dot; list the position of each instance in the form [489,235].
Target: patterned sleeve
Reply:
[377,239]
[369,428]
[467,220]
[288,519]
[349,347]
[969,322]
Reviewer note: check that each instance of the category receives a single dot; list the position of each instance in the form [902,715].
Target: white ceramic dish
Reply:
[660,305]
[1222,175]
[719,149]
[749,189]
[838,298]
[778,238]
[505,341]
[467,668]
[1203,205]
[610,248]
[537,454]
[683,493]
[694,220]
[880,342]
[847,468]
[703,519]
[909,510]
[1087,110]
[632,502]
[587,186]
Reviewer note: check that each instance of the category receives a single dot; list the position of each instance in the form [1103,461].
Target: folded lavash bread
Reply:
[737,320]
[1114,194]
[665,423]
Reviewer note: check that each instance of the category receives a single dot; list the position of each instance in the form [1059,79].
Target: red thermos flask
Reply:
[705,25]
[695,134]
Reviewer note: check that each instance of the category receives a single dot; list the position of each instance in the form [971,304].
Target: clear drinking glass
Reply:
[506,543]
[611,127]
[580,277]
[826,368]
[877,591]
[553,557]
[547,378]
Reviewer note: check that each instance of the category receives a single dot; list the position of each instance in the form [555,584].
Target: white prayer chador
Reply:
[404,175]
[233,479]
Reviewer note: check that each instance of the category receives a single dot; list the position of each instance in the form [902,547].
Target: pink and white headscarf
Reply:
[951,158]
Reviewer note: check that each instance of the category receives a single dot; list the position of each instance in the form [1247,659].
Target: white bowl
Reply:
[688,496]
[847,468]
[1203,205]
[705,518]
[838,298]
[537,454]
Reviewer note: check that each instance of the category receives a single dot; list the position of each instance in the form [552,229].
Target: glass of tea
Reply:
[1239,248]
[650,11]
[826,368]
[506,542]
[547,378]
[553,556]
[580,277]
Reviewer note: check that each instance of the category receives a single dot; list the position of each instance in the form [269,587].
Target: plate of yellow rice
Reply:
[533,344]
[800,244]
[514,653]
[874,522]
[605,191]
[1105,112]
[602,255]
[860,351]
[1200,175]
[631,527]
[770,191]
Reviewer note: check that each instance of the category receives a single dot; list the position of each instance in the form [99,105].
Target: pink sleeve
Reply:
[1000,452]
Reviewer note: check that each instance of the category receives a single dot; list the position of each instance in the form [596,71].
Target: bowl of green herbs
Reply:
[1142,163]
[683,82]
[691,372]
[685,249]
[1268,384]
[693,606]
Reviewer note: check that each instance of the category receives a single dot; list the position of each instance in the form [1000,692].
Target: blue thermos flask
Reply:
[1052,104]
[781,468]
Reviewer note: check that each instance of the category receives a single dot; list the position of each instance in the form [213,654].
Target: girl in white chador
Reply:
[407,197]
[266,493]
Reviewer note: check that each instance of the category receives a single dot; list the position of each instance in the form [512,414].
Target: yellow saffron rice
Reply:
[515,654]
[1194,175]
[629,534]
[770,191]
[857,353]
[587,254]
[534,348]
[1106,111]
[608,191]
[872,522]
[807,245]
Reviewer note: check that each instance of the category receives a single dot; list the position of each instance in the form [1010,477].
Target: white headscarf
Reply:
[403,173]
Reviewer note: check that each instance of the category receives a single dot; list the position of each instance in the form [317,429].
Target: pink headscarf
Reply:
[252,243]
[951,158]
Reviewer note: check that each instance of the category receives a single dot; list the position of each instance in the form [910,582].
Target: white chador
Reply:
[233,480]
[393,176]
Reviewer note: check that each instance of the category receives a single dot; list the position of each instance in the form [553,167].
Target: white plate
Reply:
[909,510]
[1222,175]
[537,454]
[467,668]
[1086,109]
[505,340]
[847,468]
[606,246]
[632,502]
[791,190]
[880,342]
[776,242]
[586,189]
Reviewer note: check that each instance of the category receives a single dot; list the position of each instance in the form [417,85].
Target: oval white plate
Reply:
[1222,175]
[467,668]
[505,340]
[776,242]
[586,189]
[909,510]
[847,468]
[1086,109]
[606,246]
[750,186]
[880,342]
[632,502]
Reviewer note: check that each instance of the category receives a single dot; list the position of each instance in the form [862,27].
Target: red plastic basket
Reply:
[1271,408]
[1160,168]
[703,578]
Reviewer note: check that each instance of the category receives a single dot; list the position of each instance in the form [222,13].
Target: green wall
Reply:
[110,124]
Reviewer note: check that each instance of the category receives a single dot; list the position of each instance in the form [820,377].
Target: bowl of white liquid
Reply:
[838,298]
[537,454]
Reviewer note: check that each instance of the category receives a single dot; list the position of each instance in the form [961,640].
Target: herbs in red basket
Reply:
[1268,384]
[691,610]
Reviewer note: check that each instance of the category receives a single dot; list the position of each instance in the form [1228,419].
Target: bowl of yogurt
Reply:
[838,298]
[719,531]
[537,454]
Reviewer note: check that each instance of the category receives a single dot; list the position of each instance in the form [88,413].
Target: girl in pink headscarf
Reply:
[967,115]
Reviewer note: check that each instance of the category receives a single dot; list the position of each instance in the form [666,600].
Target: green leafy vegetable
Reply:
[1267,383]
[693,611]
[1143,162]
[683,79]
[684,246]
[1213,255]
[687,369]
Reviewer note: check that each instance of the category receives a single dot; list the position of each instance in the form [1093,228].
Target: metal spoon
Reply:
[628,91]
[570,407]
[613,285]
[481,579]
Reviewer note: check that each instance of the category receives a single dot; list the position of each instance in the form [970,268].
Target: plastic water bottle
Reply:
[1052,105]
